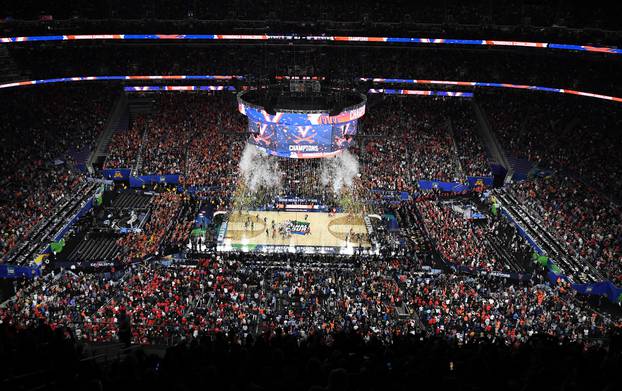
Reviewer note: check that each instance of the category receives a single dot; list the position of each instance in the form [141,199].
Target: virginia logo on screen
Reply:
[298,227]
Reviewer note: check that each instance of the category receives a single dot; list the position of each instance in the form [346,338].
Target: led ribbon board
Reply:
[324,38]
[493,85]
[177,88]
[375,80]
[390,91]
[118,78]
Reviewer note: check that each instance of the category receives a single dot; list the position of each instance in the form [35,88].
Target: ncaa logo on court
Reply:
[299,227]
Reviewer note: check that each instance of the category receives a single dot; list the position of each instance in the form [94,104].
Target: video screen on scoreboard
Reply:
[343,134]
[292,140]
[263,134]
[298,135]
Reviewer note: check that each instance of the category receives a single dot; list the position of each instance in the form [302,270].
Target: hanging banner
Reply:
[117,174]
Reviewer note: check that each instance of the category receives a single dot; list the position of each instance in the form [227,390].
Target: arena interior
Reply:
[325,195]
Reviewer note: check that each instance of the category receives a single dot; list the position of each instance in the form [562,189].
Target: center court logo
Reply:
[298,227]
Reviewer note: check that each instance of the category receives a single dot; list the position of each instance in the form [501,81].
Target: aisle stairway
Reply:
[504,255]
[412,229]
[497,154]
[140,105]
[117,121]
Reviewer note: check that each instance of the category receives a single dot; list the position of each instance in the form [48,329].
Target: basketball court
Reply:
[297,232]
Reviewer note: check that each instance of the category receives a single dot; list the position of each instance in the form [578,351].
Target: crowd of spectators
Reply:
[164,145]
[574,135]
[125,144]
[368,12]
[586,224]
[215,150]
[281,362]
[411,143]
[159,140]
[188,134]
[164,227]
[458,239]
[246,295]
[471,149]
[158,302]
[465,236]
[512,19]
[463,309]
[177,237]
[413,133]
[57,298]
[409,139]
[40,145]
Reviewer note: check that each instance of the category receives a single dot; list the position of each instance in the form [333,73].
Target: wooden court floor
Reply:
[314,229]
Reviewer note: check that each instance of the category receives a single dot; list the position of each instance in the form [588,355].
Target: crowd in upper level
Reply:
[45,135]
[368,13]
[420,138]
[577,136]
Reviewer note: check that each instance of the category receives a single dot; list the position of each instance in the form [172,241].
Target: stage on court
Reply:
[295,232]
